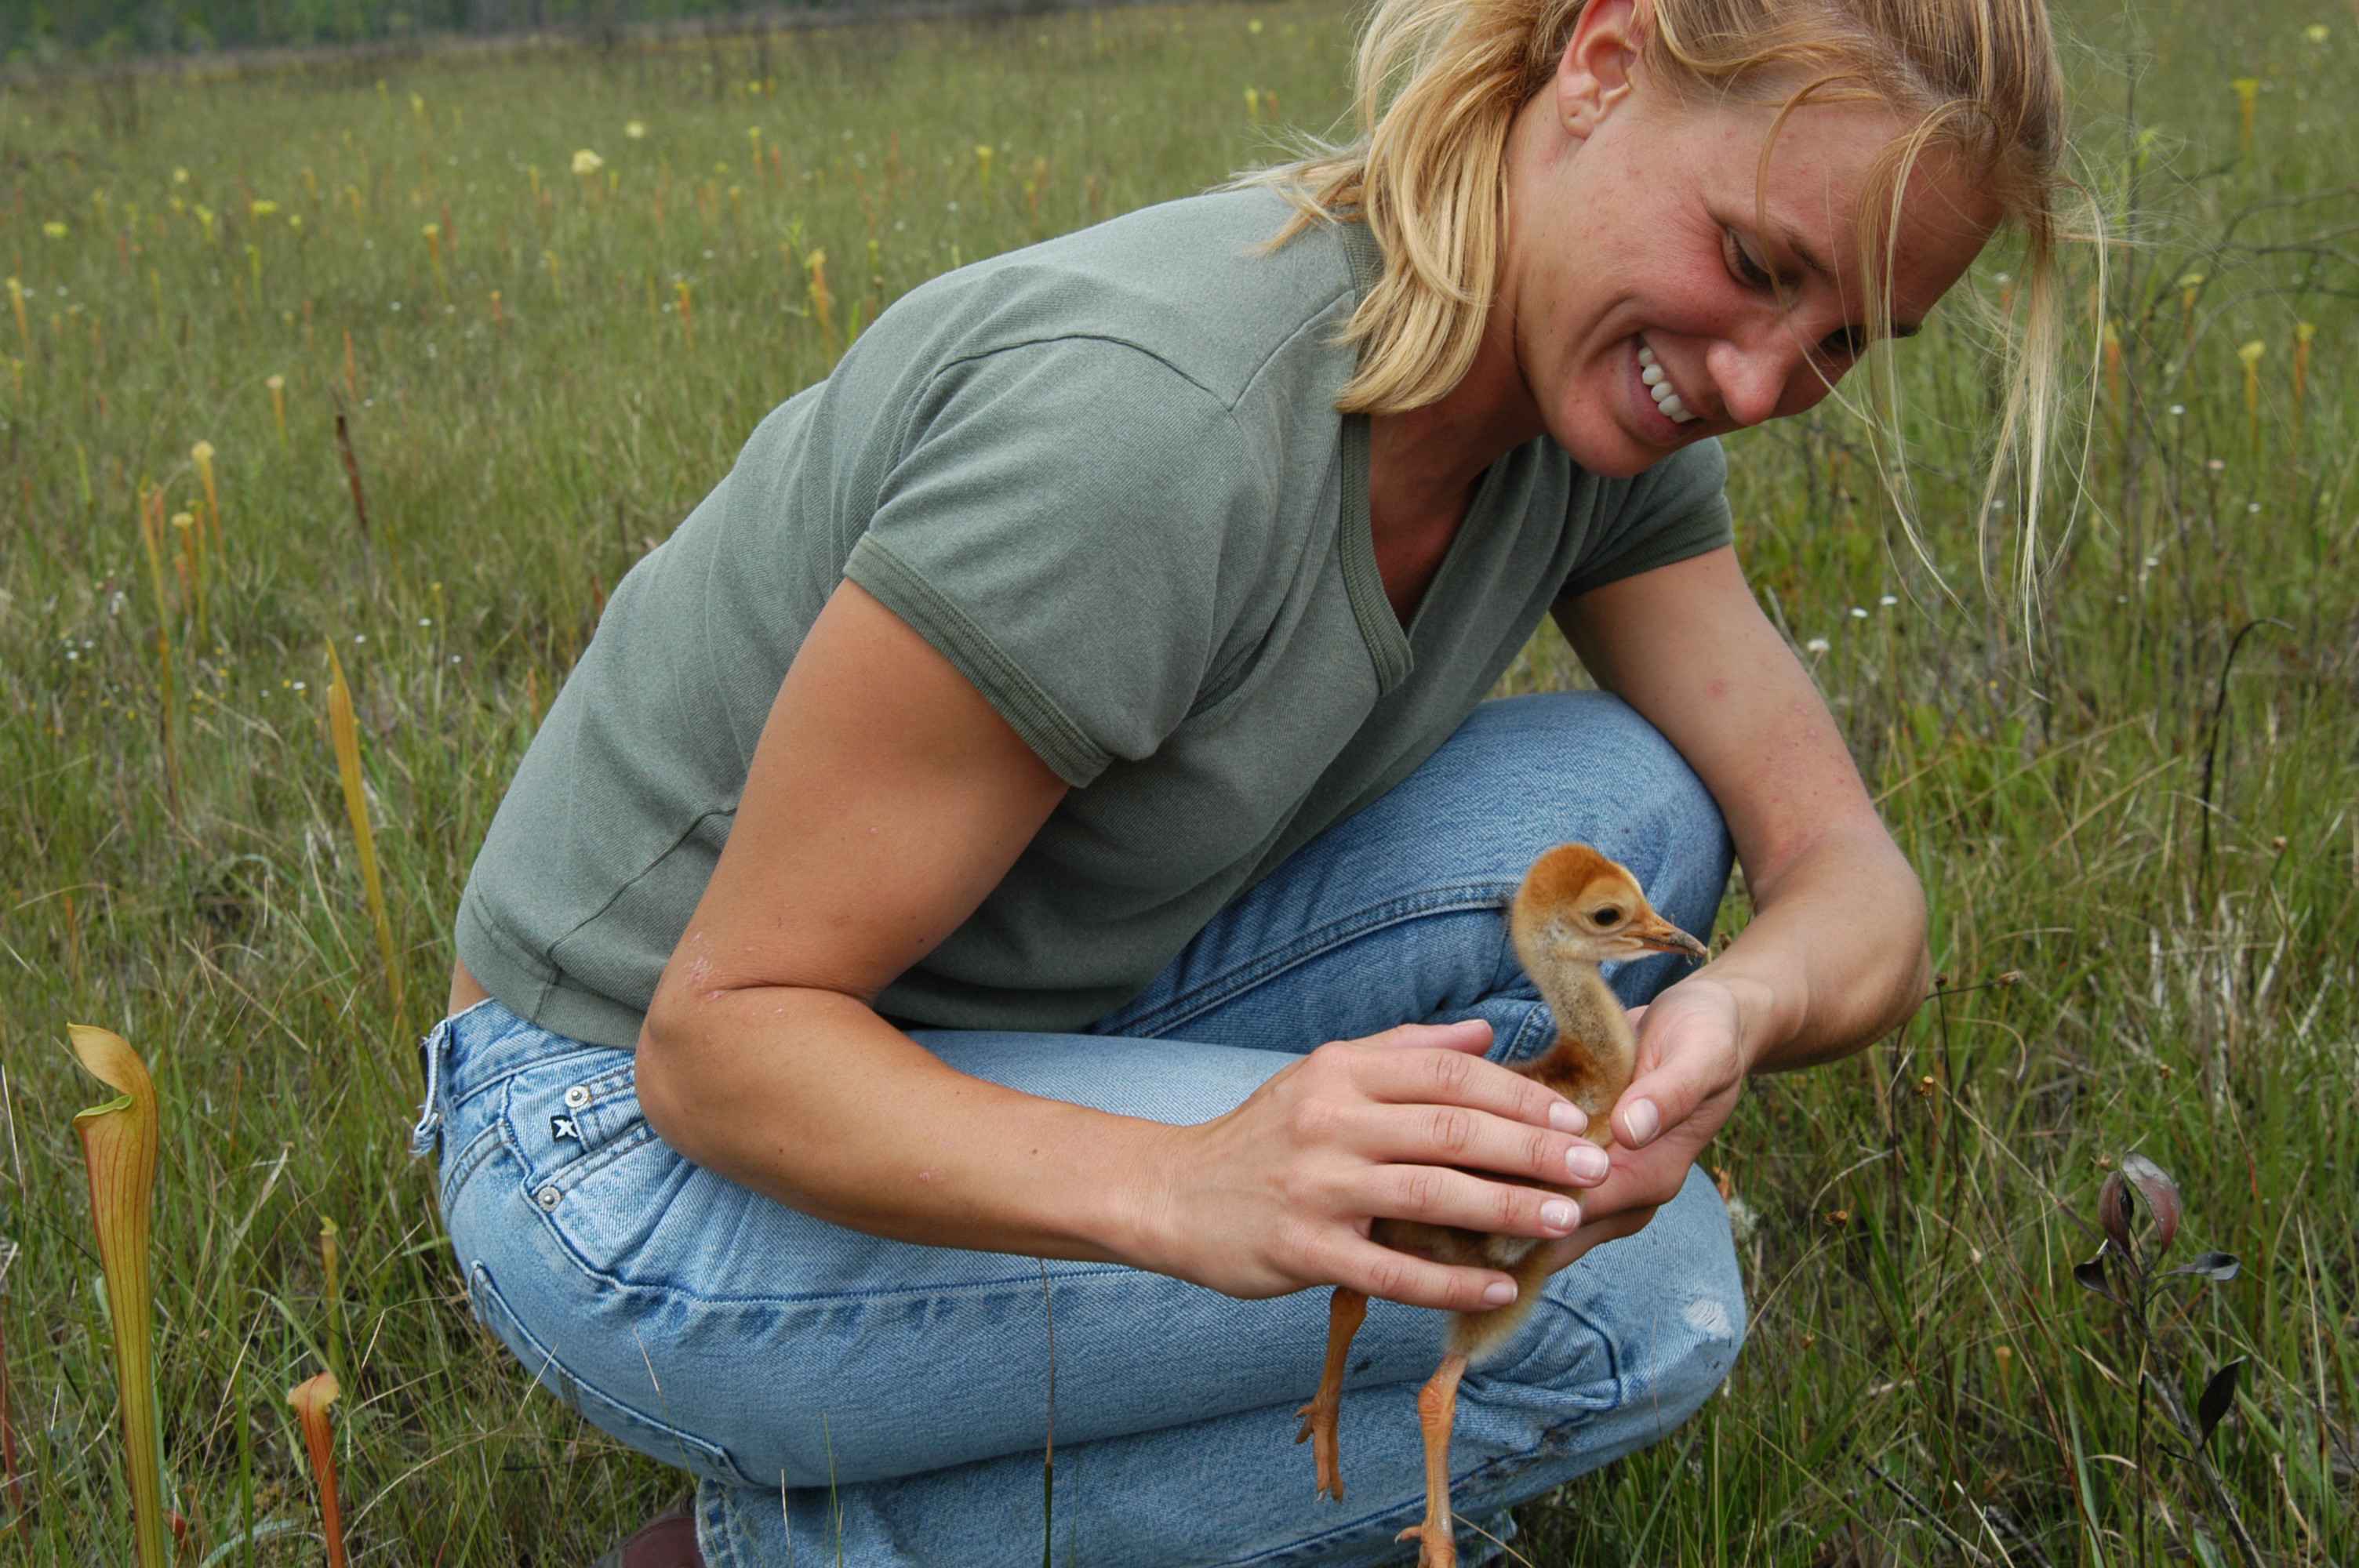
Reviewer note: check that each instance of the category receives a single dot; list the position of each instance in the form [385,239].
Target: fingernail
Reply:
[1499,1292]
[1556,1214]
[1566,1117]
[1587,1161]
[1640,1117]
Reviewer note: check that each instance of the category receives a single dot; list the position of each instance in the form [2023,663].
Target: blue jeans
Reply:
[834,1392]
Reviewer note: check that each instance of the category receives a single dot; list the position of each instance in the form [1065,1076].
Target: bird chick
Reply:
[1574,910]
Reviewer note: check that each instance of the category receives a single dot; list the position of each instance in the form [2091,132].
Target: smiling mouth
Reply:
[1658,386]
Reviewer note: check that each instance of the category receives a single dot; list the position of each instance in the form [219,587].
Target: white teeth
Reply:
[1658,385]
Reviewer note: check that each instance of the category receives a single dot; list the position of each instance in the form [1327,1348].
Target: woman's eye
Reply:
[1741,262]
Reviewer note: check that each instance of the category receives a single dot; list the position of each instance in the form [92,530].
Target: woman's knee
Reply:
[1643,1330]
[1591,766]
[1679,1338]
[1594,758]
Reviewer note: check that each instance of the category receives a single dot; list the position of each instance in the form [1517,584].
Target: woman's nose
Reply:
[1765,374]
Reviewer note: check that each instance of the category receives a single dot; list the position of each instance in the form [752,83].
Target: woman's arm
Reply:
[885,799]
[1834,955]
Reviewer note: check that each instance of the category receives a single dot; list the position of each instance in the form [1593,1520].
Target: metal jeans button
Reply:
[577,1096]
[546,1197]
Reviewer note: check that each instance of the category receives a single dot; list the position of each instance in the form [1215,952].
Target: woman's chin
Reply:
[1611,453]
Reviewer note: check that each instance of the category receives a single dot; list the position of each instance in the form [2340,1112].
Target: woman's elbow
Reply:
[668,1079]
[1911,931]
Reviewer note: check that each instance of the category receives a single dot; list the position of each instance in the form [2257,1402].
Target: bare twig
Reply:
[352,472]
[1966,1548]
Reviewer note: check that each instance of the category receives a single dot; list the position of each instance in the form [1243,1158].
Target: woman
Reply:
[1040,806]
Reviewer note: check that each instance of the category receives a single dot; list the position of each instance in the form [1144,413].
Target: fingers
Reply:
[1393,1276]
[1465,1035]
[1436,1194]
[1455,1135]
[1452,1077]
[1693,1057]
[1643,1179]
[1596,1233]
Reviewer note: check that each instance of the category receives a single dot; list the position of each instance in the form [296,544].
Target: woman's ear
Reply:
[1594,75]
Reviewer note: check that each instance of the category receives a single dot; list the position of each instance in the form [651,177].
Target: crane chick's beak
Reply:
[1660,934]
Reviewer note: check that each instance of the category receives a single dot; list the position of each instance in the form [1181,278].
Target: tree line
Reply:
[33,32]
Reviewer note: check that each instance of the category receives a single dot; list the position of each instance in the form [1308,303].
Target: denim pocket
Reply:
[655,1438]
[590,1163]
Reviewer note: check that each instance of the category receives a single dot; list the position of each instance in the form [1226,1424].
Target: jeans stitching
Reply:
[715,1539]
[466,1163]
[1465,898]
[509,1071]
[527,1185]
[544,1361]
[573,1172]
[1530,1038]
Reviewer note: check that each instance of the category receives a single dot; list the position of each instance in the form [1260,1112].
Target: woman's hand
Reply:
[1279,1193]
[1691,1068]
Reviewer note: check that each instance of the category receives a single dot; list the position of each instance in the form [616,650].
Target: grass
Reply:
[2144,807]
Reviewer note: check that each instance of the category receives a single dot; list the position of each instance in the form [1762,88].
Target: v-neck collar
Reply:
[1390,644]
[1387,641]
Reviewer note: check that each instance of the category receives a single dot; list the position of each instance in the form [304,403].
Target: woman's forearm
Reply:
[1834,955]
[808,1096]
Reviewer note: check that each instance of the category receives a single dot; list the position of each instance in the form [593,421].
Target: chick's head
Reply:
[1577,906]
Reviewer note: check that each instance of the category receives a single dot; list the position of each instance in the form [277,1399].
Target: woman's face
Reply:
[1649,304]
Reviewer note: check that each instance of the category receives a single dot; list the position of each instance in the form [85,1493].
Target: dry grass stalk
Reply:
[118,1144]
[2251,356]
[12,1481]
[353,472]
[151,534]
[822,301]
[328,1258]
[344,731]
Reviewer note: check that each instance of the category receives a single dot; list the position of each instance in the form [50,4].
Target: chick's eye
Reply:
[1607,916]
[1741,263]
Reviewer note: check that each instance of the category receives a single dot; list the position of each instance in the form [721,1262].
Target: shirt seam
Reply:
[1025,704]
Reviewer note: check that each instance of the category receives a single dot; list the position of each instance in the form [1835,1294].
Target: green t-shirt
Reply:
[1104,476]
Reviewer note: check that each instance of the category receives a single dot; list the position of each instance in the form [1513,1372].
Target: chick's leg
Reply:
[1437,1412]
[1344,1310]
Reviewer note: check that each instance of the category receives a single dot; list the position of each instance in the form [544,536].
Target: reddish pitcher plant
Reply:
[118,1143]
[312,1399]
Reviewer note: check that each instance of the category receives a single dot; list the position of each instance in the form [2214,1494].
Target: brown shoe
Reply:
[667,1541]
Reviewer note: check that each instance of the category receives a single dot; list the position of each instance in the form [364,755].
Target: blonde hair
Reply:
[1438,84]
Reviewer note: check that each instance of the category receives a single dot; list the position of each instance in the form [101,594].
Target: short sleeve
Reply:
[1673,511]
[1055,521]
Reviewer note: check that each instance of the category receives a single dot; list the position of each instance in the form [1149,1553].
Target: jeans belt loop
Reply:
[431,1047]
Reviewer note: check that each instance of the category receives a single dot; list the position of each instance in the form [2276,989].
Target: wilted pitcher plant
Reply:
[118,1142]
[2128,1272]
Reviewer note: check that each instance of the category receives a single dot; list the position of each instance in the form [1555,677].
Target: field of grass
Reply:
[547,294]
